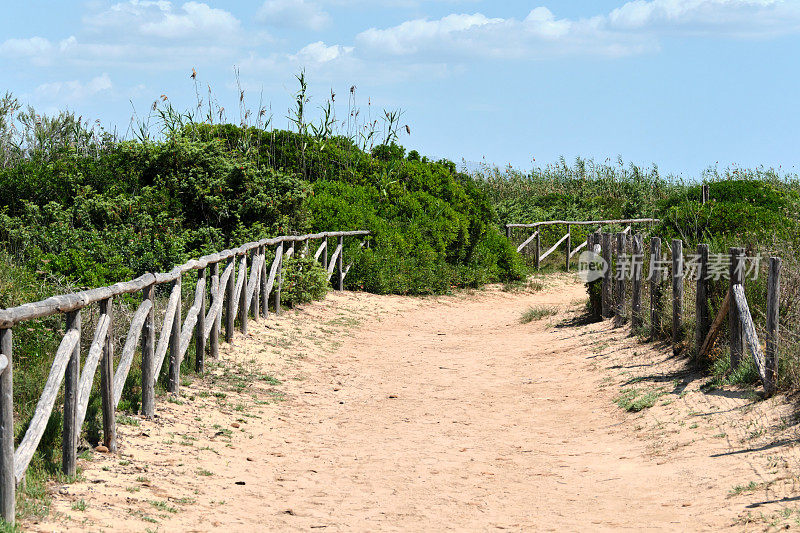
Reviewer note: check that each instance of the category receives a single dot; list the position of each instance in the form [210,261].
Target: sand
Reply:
[442,413]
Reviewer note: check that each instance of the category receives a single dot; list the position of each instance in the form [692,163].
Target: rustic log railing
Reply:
[232,294]
[569,251]
[734,308]
[613,296]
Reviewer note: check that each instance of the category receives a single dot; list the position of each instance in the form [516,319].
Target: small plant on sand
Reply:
[79,505]
[537,313]
[633,400]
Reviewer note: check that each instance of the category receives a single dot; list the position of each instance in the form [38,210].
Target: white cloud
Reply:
[412,36]
[731,18]
[319,52]
[630,29]
[74,90]
[193,21]
[38,50]
[293,14]
[26,47]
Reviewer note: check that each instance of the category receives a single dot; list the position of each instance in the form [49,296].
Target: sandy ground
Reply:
[367,412]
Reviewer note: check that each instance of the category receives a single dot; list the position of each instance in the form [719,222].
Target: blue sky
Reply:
[684,84]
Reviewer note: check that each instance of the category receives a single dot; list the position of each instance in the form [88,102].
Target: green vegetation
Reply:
[81,208]
[634,400]
[537,313]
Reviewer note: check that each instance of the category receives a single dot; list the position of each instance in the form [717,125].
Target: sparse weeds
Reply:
[538,313]
[634,400]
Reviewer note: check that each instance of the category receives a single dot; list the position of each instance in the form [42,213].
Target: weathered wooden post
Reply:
[773,304]
[619,307]
[340,265]
[279,280]
[255,304]
[263,288]
[325,253]
[175,345]
[107,380]
[701,301]
[734,321]
[148,357]
[606,288]
[69,435]
[705,193]
[213,337]
[655,287]
[636,296]
[200,328]
[537,249]
[243,296]
[229,302]
[569,246]
[7,481]
[508,232]
[677,294]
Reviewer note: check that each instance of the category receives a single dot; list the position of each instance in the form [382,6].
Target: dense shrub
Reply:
[304,280]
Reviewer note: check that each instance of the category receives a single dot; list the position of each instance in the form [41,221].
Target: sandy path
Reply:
[440,413]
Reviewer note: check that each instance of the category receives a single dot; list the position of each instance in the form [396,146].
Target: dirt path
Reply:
[441,413]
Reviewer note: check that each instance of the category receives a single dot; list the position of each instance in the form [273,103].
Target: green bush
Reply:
[304,280]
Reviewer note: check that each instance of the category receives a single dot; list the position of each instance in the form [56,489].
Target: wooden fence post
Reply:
[243,310]
[701,301]
[508,232]
[148,358]
[773,304]
[7,481]
[677,294]
[279,281]
[325,254]
[705,194]
[537,249]
[175,345]
[734,321]
[606,288]
[619,307]
[339,266]
[636,296]
[213,337]
[200,329]
[256,302]
[69,435]
[229,303]
[569,246]
[107,378]
[655,287]
[263,288]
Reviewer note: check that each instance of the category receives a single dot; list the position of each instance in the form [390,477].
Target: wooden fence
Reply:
[615,303]
[535,239]
[231,293]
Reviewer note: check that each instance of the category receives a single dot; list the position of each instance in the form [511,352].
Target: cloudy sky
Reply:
[684,84]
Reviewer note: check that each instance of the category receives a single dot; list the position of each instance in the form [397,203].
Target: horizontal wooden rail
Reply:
[584,222]
[71,302]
